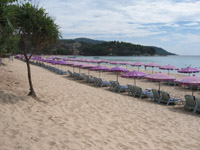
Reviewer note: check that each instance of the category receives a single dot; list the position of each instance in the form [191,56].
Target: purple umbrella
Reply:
[100,68]
[115,62]
[190,80]
[151,65]
[138,64]
[159,77]
[126,63]
[87,66]
[188,70]
[118,69]
[168,67]
[134,74]
[77,65]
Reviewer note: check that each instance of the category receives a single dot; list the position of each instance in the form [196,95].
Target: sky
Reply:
[171,24]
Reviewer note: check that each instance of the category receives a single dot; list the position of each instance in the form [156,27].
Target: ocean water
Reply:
[178,61]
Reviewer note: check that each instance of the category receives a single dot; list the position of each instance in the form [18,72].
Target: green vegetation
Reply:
[7,19]
[115,49]
[28,27]
[90,47]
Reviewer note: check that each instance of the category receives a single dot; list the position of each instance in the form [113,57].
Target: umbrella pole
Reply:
[79,70]
[159,87]
[138,68]
[152,69]
[192,92]
[99,73]
[117,76]
[73,69]
[134,81]
[168,71]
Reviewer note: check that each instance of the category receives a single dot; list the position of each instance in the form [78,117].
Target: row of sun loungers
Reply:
[158,96]
[51,68]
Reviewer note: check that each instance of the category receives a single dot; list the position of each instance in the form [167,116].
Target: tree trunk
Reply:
[32,92]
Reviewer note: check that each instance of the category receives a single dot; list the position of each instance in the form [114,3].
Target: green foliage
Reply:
[7,15]
[116,49]
[35,26]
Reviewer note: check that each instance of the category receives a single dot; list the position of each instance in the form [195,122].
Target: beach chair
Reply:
[79,76]
[165,98]
[197,106]
[112,85]
[103,83]
[131,90]
[96,81]
[142,93]
[89,79]
[156,95]
[70,74]
[120,88]
[189,102]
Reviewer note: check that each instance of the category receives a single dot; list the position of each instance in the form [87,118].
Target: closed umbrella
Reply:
[168,67]
[159,77]
[134,74]
[117,70]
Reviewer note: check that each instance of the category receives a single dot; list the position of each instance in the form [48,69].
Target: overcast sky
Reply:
[171,24]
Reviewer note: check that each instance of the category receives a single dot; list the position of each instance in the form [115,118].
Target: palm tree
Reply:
[6,23]
[35,26]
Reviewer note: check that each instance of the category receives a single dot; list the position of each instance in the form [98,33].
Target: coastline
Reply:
[76,115]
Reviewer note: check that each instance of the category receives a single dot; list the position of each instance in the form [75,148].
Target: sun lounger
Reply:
[197,106]
[89,79]
[96,81]
[156,95]
[131,90]
[112,85]
[120,88]
[103,83]
[190,102]
[70,74]
[165,98]
[142,93]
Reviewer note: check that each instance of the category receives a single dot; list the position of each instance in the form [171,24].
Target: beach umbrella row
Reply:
[134,74]
[160,77]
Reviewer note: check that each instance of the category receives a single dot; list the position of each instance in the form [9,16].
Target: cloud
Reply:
[121,19]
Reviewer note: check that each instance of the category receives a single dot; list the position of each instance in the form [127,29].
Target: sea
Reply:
[178,61]
[175,60]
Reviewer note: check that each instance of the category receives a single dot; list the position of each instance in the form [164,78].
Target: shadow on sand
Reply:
[9,98]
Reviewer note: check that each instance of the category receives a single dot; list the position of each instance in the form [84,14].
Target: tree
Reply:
[34,26]
[6,24]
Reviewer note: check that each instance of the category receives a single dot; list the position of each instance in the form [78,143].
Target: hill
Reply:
[90,41]
[91,47]
[161,51]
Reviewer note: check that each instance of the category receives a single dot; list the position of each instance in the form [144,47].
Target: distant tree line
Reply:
[115,48]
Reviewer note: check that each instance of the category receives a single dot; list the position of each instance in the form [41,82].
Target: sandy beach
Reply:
[73,115]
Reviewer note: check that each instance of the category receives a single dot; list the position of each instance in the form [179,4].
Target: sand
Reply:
[72,115]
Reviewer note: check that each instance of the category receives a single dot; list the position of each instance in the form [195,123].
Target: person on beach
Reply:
[0,61]
[11,58]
